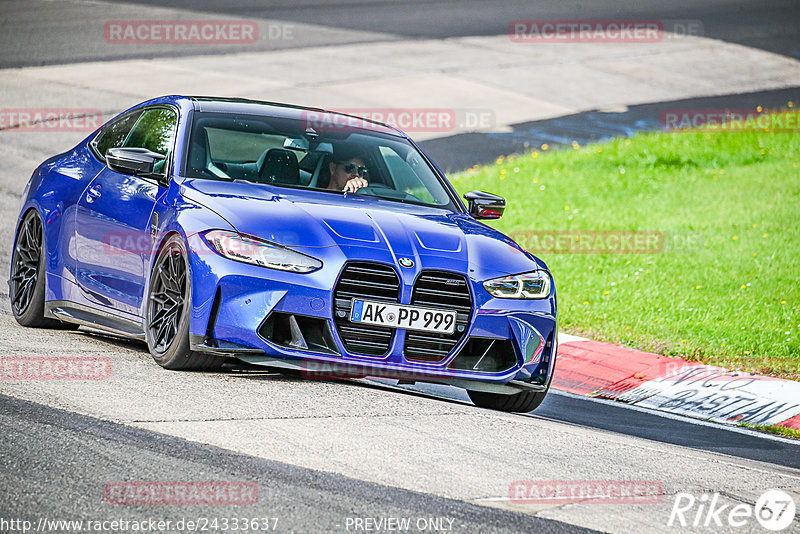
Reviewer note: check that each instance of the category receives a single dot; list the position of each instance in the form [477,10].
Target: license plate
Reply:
[401,316]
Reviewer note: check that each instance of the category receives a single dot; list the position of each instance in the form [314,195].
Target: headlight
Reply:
[250,250]
[534,285]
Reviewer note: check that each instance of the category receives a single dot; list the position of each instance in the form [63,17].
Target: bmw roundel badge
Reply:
[406,262]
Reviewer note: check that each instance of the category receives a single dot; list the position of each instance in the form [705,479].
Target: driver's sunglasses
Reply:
[352,168]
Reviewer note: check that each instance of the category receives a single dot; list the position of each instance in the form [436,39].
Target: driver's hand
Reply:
[354,184]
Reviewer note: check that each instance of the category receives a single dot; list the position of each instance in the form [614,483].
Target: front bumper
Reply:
[234,303]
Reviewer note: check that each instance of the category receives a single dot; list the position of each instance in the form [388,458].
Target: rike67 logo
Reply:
[774,510]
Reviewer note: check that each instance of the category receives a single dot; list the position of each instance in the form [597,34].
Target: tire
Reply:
[168,311]
[28,276]
[522,402]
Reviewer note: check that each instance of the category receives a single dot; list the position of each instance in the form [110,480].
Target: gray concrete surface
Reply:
[514,82]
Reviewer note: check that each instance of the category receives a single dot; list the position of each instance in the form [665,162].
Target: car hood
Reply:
[363,228]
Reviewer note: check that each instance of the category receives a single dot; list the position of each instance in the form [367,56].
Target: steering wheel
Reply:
[381,191]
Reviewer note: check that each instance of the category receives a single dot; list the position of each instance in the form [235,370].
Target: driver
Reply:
[348,172]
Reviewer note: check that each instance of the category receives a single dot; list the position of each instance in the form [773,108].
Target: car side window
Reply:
[113,135]
[155,131]
[405,176]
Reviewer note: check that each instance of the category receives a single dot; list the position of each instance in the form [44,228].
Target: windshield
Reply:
[288,153]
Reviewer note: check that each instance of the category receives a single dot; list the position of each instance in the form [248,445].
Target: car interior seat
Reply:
[320,175]
[280,166]
[200,157]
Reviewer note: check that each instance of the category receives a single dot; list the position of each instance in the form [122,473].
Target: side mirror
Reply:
[485,205]
[139,161]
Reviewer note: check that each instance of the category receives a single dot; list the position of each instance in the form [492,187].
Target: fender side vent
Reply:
[212,317]
[547,354]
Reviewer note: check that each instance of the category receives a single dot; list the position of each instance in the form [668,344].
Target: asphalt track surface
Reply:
[37,32]
[770,25]
[655,426]
[54,461]
[461,151]
[57,463]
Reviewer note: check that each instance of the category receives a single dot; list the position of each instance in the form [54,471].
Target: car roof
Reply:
[289,111]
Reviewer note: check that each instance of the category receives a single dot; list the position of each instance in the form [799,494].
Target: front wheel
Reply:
[168,310]
[522,402]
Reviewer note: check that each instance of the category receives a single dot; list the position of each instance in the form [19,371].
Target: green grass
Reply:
[729,296]
[773,429]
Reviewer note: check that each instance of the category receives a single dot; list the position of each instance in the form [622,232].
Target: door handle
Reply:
[93,193]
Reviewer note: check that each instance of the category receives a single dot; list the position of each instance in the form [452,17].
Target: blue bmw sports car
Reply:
[287,237]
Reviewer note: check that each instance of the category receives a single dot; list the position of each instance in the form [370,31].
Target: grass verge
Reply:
[724,287]
[773,429]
